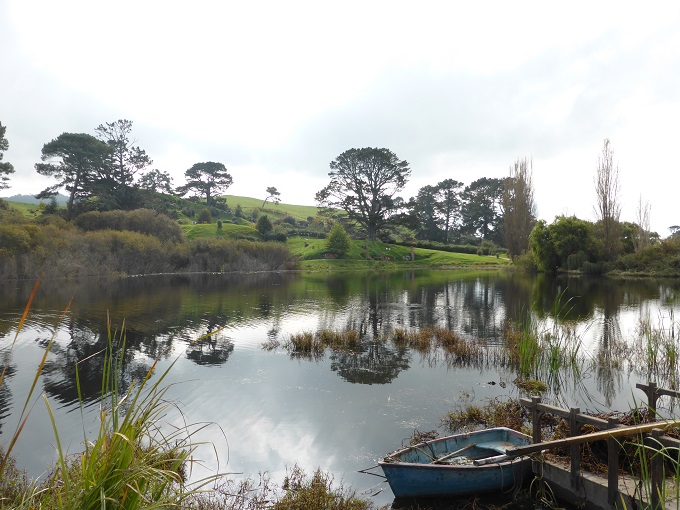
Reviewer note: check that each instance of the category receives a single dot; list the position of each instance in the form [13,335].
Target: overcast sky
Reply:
[276,90]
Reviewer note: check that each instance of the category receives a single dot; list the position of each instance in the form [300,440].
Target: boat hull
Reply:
[410,472]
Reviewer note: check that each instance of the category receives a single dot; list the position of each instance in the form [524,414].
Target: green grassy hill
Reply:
[274,211]
[228,230]
[366,254]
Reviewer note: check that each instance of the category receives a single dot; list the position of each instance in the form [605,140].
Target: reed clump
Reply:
[425,340]
[495,413]
[308,344]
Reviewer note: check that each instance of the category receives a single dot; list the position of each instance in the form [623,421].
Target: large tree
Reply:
[127,160]
[5,168]
[448,200]
[77,161]
[608,208]
[272,194]
[424,213]
[157,181]
[207,179]
[519,208]
[364,183]
[436,210]
[482,211]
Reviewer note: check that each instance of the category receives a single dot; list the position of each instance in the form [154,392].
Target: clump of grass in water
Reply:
[542,352]
[313,345]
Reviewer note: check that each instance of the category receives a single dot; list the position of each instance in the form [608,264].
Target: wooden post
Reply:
[651,391]
[575,449]
[656,470]
[536,418]
[613,448]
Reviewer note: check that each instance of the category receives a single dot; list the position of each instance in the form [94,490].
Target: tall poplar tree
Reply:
[519,208]
[608,207]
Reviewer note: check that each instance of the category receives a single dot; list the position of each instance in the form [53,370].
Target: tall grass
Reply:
[540,349]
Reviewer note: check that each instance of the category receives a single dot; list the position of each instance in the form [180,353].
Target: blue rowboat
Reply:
[457,465]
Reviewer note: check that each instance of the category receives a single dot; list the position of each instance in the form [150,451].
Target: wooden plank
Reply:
[586,438]
[454,454]
[584,419]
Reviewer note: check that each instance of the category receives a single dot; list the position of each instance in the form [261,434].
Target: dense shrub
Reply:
[338,241]
[204,216]
[143,221]
[289,219]
[264,226]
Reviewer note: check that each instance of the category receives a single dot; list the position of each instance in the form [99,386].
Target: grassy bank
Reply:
[377,255]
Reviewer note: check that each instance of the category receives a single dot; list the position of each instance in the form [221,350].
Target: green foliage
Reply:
[144,221]
[127,160]
[338,241]
[156,181]
[568,243]
[272,194]
[364,183]
[204,216]
[481,213]
[76,160]
[264,226]
[238,212]
[5,168]
[207,179]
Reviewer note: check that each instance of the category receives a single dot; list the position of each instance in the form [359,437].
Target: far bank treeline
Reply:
[107,172]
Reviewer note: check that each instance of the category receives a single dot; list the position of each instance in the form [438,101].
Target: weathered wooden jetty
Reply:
[570,483]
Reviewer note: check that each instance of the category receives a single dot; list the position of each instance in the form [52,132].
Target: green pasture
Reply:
[274,211]
[367,255]
[228,230]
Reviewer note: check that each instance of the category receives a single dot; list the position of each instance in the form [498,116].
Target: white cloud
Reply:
[276,90]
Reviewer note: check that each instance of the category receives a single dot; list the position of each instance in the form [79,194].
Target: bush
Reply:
[264,226]
[144,221]
[290,220]
[338,241]
[204,216]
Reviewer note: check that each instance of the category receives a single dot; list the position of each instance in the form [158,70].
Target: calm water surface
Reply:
[342,412]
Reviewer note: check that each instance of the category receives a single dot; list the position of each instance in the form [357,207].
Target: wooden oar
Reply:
[586,438]
[454,454]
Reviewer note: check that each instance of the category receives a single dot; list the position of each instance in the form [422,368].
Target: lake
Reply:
[340,412]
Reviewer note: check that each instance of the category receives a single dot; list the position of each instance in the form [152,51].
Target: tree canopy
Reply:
[273,194]
[78,161]
[364,183]
[157,181]
[206,179]
[116,184]
[482,208]
[5,168]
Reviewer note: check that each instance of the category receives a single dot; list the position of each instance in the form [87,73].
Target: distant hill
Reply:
[30,199]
